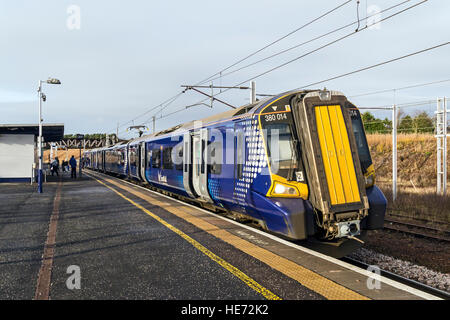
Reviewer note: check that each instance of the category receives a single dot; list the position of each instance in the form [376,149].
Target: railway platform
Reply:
[98,237]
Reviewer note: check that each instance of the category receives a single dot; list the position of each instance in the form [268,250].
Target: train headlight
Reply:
[325,95]
[370,180]
[369,176]
[283,190]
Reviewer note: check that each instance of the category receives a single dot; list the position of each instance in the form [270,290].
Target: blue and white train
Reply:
[296,164]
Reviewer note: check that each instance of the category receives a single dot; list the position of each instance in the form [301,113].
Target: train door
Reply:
[142,161]
[187,163]
[101,162]
[199,165]
[196,162]
[240,192]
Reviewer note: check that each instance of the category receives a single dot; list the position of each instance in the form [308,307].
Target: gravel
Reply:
[404,268]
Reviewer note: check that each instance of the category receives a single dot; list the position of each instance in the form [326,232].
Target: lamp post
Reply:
[41,96]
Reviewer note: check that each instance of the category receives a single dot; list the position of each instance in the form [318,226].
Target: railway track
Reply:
[415,219]
[412,283]
[417,230]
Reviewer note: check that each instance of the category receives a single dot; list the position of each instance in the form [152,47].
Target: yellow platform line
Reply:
[313,281]
[235,271]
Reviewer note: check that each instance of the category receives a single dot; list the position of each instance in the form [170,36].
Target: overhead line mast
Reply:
[194,87]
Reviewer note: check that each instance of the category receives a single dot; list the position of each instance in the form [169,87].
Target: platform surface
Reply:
[119,241]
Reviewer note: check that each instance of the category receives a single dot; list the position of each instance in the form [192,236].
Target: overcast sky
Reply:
[121,58]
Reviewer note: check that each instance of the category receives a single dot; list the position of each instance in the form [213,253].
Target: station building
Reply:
[19,149]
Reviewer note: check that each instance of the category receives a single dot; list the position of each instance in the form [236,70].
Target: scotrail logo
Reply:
[162,178]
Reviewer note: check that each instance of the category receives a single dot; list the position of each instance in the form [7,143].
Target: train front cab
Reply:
[330,169]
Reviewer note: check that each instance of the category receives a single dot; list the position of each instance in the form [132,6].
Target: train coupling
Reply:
[348,228]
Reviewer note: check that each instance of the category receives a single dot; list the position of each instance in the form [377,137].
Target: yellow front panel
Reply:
[353,182]
[336,155]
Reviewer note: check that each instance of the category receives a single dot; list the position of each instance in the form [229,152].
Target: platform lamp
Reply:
[42,97]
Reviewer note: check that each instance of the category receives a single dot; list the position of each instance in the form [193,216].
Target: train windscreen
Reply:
[361,141]
[281,149]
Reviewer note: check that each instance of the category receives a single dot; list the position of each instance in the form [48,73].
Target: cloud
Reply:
[7,96]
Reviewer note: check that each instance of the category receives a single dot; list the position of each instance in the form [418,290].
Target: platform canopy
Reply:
[51,132]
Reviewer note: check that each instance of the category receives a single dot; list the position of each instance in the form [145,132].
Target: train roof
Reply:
[190,124]
[229,114]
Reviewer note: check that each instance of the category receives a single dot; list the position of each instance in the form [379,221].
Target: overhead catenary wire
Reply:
[376,65]
[387,107]
[265,47]
[240,60]
[402,105]
[400,88]
[166,102]
[276,41]
[334,41]
[323,46]
[308,41]
[329,44]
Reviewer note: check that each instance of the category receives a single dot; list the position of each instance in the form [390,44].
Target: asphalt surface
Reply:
[121,252]
[24,218]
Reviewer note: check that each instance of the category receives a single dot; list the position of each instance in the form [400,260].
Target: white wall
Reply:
[16,155]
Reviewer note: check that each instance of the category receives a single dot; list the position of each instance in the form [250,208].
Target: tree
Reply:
[422,123]
[405,124]
[373,124]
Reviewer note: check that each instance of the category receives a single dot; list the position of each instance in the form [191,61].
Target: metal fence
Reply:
[439,129]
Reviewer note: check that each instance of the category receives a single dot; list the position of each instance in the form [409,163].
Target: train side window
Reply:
[179,166]
[186,161]
[214,167]
[122,158]
[202,169]
[132,157]
[149,157]
[156,158]
[240,155]
[167,158]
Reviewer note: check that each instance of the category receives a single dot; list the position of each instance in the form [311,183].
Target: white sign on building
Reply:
[16,157]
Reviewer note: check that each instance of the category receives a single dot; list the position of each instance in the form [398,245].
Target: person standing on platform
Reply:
[64,166]
[55,166]
[73,165]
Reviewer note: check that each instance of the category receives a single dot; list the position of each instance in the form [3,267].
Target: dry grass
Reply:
[416,196]
[422,205]
[401,137]
[416,159]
